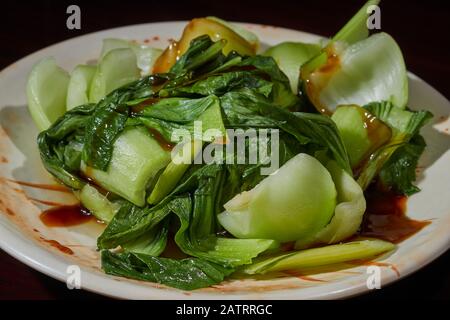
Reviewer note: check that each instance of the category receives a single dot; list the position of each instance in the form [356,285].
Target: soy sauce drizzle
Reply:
[51,187]
[65,216]
[164,144]
[47,202]
[386,219]
[59,246]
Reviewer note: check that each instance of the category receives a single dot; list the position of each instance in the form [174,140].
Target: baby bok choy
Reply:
[134,149]
[293,203]
[370,70]
[303,201]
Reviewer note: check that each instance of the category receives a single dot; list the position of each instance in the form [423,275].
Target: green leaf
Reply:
[172,115]
[97,203]
[404,125]
[109,119]
[131,221]
[283,206]
[174,171]
[185,274]
[366,71]
[196,235]
[202,50]
[316,257]
[361,132]
[117,68]
[223,83]
[45,105]
[136,159]
[248,109]
[244,33]
[282,95]
[60,137]
[348,213]
[401,121]
[399,172]
[290,56]
[179,110]
[79,83]
[145,55]
[150,243]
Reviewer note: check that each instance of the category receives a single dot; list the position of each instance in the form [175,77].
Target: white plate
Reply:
[24,236]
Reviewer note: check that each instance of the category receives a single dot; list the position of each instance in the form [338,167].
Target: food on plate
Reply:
[245,162]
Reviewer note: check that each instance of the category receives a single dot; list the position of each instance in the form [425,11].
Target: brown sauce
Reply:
[287,246]
[166,145]
[141,106]
[195,28]
[378,133]
[65,216]
[322,76]
[88,176]
[51,187]
[333,63]
[168,58]
[172,250]
[47,202]
[386,219]
[301,276]
[58,246]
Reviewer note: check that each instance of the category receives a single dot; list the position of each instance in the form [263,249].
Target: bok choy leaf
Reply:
[366,71]
[290,56]
[186,274]
[109,119]
[310,258]
[405,125]
[283,206]
[60,146]
[399,172]
[348,212]
[150,243]
[246,108]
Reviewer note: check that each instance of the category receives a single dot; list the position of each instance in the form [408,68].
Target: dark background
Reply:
[420,27]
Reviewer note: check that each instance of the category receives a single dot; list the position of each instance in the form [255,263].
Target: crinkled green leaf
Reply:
[404,124]
[186,274]
[399,172]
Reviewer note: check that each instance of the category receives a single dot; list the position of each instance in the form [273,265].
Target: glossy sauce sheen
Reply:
[146,103]
[172,250]
[386,219]
[377,132]
[59,246]
[164,144]
[322,76]
[51,187]
[65,216]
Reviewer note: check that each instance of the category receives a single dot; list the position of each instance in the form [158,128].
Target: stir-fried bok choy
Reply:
[228,154]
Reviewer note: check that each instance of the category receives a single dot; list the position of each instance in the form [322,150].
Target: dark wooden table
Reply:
[420,27]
